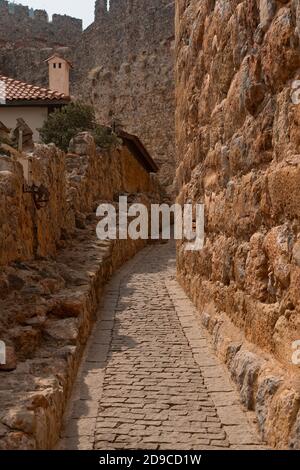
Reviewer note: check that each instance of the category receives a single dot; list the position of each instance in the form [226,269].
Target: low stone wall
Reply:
[77,183]
[49,316]
[53,272]
[237,125]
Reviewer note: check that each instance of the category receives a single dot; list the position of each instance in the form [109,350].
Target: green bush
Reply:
[105,137]
[63,124]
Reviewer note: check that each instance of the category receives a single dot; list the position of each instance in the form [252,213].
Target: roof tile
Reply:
[21,91]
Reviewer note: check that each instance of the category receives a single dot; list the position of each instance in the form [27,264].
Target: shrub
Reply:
[105,137]
[63,124]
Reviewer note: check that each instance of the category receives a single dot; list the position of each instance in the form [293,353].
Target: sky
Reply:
[83,9]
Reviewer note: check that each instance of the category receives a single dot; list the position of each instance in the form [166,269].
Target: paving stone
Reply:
[219,384]
[241,435]
[80,427]
[232,415]
[76,443]
[211,372]
[86,408]
[225,398]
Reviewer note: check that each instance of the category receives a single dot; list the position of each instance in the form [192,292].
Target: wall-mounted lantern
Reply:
[39,193]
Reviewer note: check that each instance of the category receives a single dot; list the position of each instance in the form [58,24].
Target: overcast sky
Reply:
[83,9]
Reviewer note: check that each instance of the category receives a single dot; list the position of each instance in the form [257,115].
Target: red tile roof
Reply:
[16,90]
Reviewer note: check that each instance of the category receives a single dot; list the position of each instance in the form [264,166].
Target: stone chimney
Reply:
[59,74]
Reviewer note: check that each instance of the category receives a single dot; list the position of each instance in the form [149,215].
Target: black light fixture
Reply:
[40,194]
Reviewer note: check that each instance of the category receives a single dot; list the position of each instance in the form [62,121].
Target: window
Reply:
[59,65]
[54,66]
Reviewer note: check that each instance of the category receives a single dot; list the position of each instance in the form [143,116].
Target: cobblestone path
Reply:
[150,378]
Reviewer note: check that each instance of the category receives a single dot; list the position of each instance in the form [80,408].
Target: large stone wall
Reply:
[126,64]
[237,131]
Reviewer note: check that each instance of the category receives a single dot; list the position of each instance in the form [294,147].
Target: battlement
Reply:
[107,9]
[143,22]
[19,22]
[101,9]
[21,12]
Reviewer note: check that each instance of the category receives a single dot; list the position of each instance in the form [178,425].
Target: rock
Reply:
[17,441]
[62,330]
[282,423]
[256,273]
[80,221]
[4,286]
[244,370]
[240,264]
[26,339]
[68,308]
[15,282]
[277,245]
[277,70]
[267,10]
[82,144]
[3,430]
[265,392]
[10,360]
[254,96]
[297,11]
[294,442]
[66,352]
[20,419]
[296,253]
[4,136]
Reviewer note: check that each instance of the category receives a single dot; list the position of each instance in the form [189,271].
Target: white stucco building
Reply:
[32,103]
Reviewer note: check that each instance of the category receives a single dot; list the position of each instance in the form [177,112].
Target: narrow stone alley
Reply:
[149,378]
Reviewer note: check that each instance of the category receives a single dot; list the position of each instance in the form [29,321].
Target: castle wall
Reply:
[126,62]
[26,27]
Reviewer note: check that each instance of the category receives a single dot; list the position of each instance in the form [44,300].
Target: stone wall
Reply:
[52,274]
[237,130]
[77,182]
[126,64]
